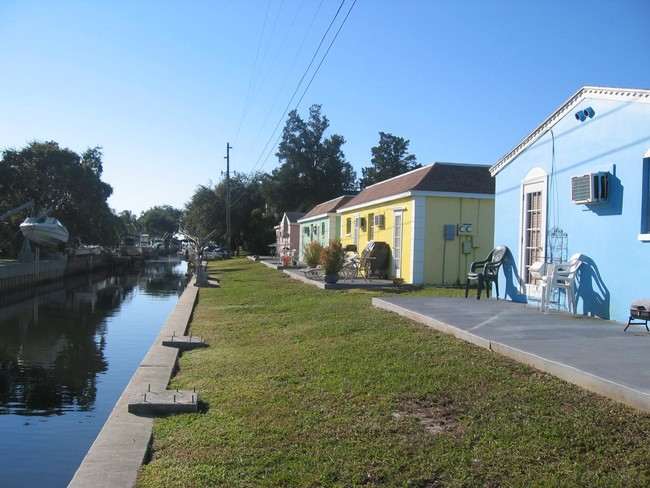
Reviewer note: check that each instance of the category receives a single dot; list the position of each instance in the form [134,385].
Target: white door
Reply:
[357,227]
[397,244]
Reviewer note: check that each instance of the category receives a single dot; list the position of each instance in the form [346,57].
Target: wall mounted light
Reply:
[582,115]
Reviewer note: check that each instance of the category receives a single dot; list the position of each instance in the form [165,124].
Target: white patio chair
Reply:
[561,276]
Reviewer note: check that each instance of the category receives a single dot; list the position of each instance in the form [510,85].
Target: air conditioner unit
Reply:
[378,220]
[589,188]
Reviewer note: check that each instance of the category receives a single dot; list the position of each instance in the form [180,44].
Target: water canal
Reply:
[66,354]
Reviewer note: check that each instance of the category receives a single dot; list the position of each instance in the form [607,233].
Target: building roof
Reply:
[324,208]
[586,92]
[435,178]
[293,216]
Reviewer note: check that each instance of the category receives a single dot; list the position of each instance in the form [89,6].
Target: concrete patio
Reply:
[592,353]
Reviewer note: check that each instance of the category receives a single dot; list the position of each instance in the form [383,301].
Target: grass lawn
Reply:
[306,387]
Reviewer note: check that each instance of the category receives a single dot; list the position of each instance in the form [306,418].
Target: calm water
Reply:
[66,355]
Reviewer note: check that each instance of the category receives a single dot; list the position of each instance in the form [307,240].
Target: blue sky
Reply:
[163,86]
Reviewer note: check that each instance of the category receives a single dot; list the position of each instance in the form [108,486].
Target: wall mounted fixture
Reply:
[582,115]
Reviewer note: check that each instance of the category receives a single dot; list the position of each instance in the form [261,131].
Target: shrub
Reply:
[312,253]
[333,257]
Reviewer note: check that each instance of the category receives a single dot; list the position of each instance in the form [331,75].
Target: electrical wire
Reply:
[250,82]
[293,63]
[295,92]
[298,87]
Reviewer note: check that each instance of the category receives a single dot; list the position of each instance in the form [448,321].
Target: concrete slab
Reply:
[592,353]
[342,284]
[165,402]
[184,343]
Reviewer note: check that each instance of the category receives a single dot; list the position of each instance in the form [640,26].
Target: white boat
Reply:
[44,230]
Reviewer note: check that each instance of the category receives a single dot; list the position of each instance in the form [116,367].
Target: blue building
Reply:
[580,183]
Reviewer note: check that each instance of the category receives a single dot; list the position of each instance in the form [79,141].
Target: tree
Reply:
[160,220]
[251,224]
[313,168]
[60,179]
[389,159]
[129,222]
[204,212]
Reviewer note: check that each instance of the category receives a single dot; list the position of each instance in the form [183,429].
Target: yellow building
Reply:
[436,221]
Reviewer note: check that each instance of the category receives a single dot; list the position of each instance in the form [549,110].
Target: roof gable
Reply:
[586,92]
[436,177]
[292,217]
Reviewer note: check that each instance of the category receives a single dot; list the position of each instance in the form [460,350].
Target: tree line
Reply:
[313,169]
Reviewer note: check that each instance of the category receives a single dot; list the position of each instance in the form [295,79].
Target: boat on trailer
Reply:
[46,231]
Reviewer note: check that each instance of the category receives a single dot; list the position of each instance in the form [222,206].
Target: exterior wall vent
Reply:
[589,188]
[379,220]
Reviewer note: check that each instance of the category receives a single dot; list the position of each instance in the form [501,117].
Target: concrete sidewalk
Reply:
[589,352]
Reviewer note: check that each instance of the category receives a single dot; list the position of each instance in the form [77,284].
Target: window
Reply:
[371,227]
[533,221]
[348,226]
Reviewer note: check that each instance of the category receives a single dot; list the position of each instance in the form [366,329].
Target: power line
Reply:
[284,113]
[306,88]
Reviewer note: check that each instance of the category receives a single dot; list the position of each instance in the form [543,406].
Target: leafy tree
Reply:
[160,220]
[60,179]
[204,212]
[251,226]
[389,159]
[129,222]
[313,167]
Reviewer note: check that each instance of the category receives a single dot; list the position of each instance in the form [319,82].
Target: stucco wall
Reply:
[385,233]
[614,272]
[426,257]
[445,261]
[328,228]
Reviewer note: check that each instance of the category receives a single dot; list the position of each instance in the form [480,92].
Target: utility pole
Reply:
[228,148]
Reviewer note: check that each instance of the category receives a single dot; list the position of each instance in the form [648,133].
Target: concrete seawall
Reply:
[21,275]
[123,443]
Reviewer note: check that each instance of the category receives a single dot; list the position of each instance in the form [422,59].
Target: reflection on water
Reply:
[66,354]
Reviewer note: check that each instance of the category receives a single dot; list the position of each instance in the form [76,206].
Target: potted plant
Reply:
[332,259]
[312,253]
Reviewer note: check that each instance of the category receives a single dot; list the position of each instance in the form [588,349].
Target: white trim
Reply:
[401,240]
[536,180]
[356,229]
[451,194]
[591,92]
[418,235]
[315,217]
[644,237]
[416,193]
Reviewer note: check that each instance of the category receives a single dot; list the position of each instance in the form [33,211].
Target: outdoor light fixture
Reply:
[582,115]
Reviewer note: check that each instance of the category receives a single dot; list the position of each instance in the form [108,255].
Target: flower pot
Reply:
[331,278]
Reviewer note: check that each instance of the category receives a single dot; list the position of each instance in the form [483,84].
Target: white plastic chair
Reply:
[561,276]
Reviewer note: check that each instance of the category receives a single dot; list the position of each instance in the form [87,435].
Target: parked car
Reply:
[214,252]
